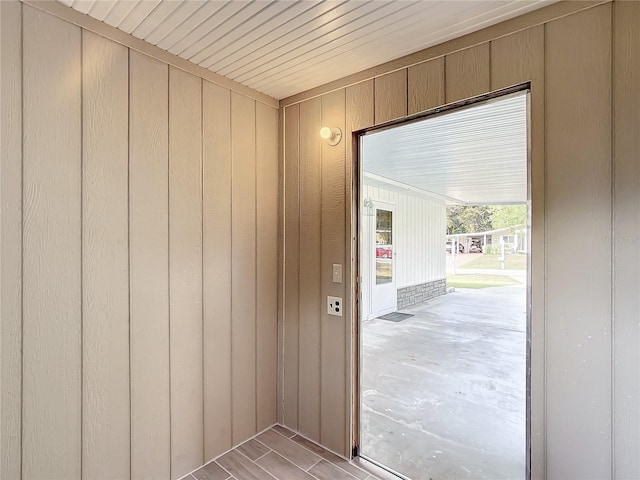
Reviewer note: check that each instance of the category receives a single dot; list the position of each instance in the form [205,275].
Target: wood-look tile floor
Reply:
[281,454]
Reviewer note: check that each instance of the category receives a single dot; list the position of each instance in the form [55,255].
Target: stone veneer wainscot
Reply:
[408,296]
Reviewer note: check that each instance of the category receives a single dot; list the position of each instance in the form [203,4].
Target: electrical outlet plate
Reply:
[334,306]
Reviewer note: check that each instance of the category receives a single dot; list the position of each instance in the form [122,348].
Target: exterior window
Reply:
[507,239]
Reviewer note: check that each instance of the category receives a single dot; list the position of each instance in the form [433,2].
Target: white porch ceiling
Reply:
[284,47]
[476,155]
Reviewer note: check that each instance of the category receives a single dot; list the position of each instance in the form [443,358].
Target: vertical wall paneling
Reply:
[185,271]
[467,73]
[52,248]
[569,64]
[310,268]
[291,265]
[10,238]
[334,378]
[267,263]
[217,268]
[116,232]
[105,258]
[243,257]
[516,59]
[578,131]
[626,239]
[425,85]
[149,269]
[75,355]
[359,113]
[390,96]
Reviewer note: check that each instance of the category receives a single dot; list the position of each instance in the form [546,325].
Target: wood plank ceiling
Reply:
[284,47]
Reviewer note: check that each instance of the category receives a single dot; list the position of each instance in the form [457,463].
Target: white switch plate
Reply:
[334,306]
[337,273]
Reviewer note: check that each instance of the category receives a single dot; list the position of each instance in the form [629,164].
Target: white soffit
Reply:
[475,155]
[284,47]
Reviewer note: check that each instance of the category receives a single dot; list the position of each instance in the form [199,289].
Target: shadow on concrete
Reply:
[443,392]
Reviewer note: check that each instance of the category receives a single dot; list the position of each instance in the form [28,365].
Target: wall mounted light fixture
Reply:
[369,207]
[331,135]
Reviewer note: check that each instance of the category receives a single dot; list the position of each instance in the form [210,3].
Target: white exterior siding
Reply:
[420,230]
[418,239]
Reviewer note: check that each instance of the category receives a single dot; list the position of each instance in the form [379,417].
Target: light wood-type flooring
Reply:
[281,454]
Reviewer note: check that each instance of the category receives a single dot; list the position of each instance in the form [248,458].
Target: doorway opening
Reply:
[443,261]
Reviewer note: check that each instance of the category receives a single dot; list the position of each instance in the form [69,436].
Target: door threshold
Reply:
[377,469]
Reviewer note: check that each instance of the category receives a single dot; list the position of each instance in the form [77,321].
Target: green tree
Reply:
[504,216]
[469,219]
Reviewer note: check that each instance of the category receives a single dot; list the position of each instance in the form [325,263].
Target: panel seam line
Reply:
[322,260]
[81,251]
[22,239]
[546,263]
[169,258]
[613,237]
[129,248]
[231,268]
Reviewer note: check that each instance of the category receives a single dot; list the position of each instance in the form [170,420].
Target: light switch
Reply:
[337,273]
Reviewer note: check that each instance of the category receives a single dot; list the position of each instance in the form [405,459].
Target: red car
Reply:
[384,252]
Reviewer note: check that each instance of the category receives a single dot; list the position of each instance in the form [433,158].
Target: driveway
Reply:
[460,259]
[444,391]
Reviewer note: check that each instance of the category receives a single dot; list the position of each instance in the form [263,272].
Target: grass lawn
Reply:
[514,262]
[480,281]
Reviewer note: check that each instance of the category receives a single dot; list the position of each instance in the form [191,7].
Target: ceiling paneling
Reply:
[475,155]
[284,47]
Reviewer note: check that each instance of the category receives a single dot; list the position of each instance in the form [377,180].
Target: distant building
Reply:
[514,239]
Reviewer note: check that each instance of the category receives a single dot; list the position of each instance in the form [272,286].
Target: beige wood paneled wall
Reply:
[105,230]
[10,239]
[582,62]
[139,259]
[625,239]
[578,183]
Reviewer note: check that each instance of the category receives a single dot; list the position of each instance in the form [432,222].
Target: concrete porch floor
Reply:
[443,392]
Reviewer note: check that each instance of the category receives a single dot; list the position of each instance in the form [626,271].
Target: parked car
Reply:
[460,247]
[384,252]
[475,248]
